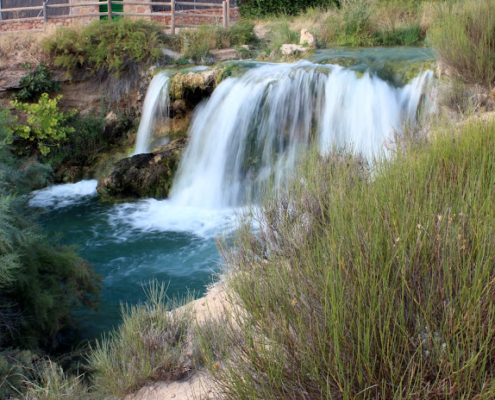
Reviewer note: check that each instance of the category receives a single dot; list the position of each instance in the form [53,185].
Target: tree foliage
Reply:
[46,124]
[36,83]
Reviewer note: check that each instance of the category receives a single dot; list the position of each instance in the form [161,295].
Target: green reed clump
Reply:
[464,39]
[371,281]
[150,344]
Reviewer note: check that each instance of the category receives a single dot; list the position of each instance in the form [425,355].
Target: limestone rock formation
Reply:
[307,38]
[291,49]
[143,175]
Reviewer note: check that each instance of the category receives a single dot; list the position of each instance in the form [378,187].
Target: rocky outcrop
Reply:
[307,38]
[293,49]
[143,175]
[183,84]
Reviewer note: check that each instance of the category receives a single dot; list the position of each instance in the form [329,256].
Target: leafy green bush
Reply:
[108,47]
[45,123]
[374,283]
[256,8]
[464,39]
[36,83]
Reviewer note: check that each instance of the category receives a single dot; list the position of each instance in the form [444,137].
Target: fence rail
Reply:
[173,14]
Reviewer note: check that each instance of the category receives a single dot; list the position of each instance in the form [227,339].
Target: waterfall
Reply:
[253,127]
[155,105]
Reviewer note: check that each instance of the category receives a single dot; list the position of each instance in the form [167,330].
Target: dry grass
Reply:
[23,47]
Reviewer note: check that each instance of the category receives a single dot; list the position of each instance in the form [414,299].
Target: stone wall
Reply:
[188,17]
[138,9]
[33,25]
[184,17]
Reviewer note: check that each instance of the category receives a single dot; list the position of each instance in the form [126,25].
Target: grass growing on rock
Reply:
[371,282]
[149,345]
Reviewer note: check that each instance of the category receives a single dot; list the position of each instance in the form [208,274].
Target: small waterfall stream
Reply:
[154,107]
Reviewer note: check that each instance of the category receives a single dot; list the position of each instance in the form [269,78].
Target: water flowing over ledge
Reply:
[253,128]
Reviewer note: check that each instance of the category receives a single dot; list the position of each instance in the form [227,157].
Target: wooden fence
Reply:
[222,14]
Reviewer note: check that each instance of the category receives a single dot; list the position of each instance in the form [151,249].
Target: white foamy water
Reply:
[253,128]
[165,216]
[58,196]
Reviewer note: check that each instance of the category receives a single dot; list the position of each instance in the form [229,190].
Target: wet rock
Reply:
[143,175]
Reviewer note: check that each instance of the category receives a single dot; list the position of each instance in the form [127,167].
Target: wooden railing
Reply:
[44,14]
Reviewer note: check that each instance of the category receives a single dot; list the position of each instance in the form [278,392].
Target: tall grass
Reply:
[196,44]
[54,384]
[464,39]
[149,345]
[372,282]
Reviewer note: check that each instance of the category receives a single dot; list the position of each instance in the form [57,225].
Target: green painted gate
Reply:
[115,8]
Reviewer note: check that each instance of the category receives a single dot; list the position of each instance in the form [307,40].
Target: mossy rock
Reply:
[148,175]
[183,84]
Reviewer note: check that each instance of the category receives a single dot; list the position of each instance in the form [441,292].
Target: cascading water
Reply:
[154,107]
[254,127]
[250,131]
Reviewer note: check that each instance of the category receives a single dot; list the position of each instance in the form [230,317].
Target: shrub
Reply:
[45,123]
[16,366]
[196,44]
[107,47]
[464,39]
[149,345]
[374,283]
[36,83]
[256,8]
[280,34]
[52,383]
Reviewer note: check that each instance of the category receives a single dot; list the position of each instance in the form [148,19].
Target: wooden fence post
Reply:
[109,10]
[224,13]
[172,11]
[45,15]
[227,2]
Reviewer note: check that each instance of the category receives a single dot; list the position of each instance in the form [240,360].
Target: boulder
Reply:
[307,38]
[291,49]
[143,175]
